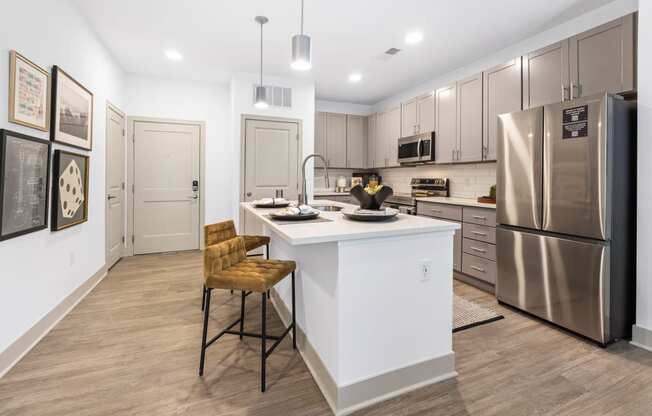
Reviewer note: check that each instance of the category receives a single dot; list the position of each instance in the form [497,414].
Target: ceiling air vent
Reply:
[276,96]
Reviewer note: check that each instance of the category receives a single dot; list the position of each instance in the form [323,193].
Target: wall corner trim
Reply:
[23,345]
[641,337]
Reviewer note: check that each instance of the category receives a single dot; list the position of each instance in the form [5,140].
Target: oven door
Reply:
[409,150]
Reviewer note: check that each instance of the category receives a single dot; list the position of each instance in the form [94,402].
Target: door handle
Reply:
[110,197]
[193,197]
[248,193]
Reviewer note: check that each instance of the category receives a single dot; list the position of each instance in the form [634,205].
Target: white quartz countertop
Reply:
[466,202]
[342,228]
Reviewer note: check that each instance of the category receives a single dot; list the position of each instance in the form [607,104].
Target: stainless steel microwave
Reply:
[415,149]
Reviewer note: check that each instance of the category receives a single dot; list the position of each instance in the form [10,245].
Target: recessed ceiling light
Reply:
[355,77]
[173,55]
[413,37]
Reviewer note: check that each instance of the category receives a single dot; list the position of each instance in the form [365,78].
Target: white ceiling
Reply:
[218,38]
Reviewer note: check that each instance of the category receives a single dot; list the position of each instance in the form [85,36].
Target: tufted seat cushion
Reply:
[255,241]
[226,266]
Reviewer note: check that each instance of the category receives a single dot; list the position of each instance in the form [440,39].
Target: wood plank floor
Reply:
[132,346]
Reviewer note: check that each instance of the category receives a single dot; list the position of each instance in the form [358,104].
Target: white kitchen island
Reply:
[374,302]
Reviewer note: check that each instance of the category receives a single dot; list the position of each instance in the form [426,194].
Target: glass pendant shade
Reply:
[301,52]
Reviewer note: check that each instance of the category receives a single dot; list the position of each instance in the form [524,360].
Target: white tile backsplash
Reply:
[466,181]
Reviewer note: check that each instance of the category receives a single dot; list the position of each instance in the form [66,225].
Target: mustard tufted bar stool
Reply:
[226,266]
[222,231]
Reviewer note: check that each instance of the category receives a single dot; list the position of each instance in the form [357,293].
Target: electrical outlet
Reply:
[426,269]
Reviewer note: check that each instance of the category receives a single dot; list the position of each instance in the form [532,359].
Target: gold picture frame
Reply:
[29,93]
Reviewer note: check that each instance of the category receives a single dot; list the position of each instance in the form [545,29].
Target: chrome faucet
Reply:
[303,197]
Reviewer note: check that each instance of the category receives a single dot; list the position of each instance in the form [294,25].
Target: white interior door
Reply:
[271,163]
[166,187]
[115,185]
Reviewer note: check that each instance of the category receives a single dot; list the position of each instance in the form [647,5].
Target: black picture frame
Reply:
[57,223]
[58,76]
[4,134]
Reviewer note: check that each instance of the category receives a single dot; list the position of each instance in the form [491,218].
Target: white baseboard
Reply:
[19,348]
[642,337]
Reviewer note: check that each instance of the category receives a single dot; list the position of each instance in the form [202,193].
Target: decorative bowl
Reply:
[368,201]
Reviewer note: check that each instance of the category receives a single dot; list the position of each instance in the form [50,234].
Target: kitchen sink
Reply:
[332,208]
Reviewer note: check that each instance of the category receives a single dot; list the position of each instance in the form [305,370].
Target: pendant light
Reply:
[261,92]
[301,59]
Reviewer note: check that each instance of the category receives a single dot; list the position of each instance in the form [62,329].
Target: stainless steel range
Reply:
[421,187]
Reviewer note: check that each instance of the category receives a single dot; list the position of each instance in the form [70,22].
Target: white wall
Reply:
[587,21]
[303,108]
[210,103]
[643,328]
[343,108]
[38,270]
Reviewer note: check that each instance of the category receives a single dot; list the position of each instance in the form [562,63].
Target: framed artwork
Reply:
[29,93]
[69,190]
[24,176]
[72,111]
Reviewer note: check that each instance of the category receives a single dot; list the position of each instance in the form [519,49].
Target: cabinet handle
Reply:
[479,269]
[574,87]
[564,89]
[479,233]
[479,250]
[480,217]
[437,211]
[453,154]
[459,155]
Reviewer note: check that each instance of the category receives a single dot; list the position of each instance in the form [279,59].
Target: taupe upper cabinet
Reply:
[546,75]
[469,119]
[598,60]
[409,118]
[371,141]
[356,138]
[602,59]
[320,137]
[502,94]
[418,115]
[336,140]
[426,113]
[393,132]
[445,124]
[381,159]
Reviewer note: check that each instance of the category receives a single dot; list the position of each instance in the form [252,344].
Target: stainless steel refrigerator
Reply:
[566,208]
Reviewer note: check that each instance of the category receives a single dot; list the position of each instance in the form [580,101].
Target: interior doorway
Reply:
[115,185]
[271,152]
[166,183]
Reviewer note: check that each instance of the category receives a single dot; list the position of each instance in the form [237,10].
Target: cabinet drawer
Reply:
[444,211]
[480,249]
[479,268]
[479,232]
[480,216]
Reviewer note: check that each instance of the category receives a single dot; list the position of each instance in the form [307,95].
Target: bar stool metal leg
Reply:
[294,317]
[203,337]
[269,295]
[263,342]
[242,313]
[203,297]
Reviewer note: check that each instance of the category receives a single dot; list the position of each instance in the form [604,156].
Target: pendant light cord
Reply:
[261,54]
[302,17]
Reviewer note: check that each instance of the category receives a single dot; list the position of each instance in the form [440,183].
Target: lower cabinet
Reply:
[474,246]
[346,198]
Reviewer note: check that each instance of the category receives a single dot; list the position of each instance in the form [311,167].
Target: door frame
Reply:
[131,164]
[243,137]
[112,107]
